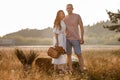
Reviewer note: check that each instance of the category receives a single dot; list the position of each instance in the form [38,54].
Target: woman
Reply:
[60,40]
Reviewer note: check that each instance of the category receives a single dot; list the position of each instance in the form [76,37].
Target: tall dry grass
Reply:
[102,64]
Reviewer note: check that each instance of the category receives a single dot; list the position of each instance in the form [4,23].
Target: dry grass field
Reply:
[102,63]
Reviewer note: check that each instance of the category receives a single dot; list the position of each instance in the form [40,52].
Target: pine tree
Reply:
[115,20]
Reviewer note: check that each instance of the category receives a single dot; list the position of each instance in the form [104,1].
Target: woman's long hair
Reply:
[58,20]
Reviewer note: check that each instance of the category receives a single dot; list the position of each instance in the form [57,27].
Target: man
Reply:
[74,36]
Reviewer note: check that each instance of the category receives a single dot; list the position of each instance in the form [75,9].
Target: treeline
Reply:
[97,34]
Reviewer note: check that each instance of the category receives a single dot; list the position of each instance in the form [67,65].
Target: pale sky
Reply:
[39,14]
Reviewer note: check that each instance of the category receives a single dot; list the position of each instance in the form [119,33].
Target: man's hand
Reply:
[81,41]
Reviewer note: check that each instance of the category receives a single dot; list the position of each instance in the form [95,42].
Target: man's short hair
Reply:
[70,5]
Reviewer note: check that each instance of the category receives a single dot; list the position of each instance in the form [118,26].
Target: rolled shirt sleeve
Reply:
[55,30]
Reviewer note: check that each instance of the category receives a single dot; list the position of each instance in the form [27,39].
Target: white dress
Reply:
[62,42]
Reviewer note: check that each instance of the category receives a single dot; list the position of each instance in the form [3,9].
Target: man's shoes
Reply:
[83,70]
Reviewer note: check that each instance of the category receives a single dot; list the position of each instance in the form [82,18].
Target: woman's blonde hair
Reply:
[58,20]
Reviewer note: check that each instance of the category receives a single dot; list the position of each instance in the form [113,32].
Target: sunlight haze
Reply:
[39,14]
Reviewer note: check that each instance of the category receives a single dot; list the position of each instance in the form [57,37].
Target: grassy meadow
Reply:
[102,63]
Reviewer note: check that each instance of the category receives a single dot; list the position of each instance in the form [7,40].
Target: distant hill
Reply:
[28,37]
[47,32]
[95,34]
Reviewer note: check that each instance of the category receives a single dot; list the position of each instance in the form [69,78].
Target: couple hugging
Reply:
[67,34]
